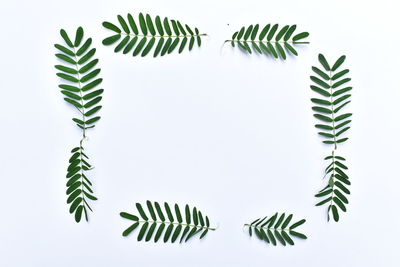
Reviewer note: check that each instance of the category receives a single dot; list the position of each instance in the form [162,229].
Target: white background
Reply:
[229,133]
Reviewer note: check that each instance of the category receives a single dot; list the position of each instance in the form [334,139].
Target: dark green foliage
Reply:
[335,193]
[79,187]
[333,96]
[79,88]
[141,36]
[78,70]
[277,228]
[269,40]
[170,223]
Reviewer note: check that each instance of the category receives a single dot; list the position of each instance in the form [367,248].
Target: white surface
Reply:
[228,133]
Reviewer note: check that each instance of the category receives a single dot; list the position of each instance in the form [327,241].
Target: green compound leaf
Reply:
[151,34]
[336,192]
[276,228]
[336,97]
[270,40]
[79,187]
[333,127]
[158,226]
[78,87]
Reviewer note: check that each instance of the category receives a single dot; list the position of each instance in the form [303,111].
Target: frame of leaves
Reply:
[79,91]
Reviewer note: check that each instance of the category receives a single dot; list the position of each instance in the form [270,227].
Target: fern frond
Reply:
[161,223]
[334,95]
[79,88]
[164,35]
[276,228]
[269,40]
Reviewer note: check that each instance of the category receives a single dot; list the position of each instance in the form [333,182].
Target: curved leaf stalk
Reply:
[335,124]
[276,228]
[165,35]
[80,80]
[161,223]
[269,40]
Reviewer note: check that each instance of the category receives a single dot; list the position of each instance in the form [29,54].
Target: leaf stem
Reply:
[83,135]
[266,228]
[176,223]
[165,36]
[333,178]
[80,94]
[332,109]
[258,41]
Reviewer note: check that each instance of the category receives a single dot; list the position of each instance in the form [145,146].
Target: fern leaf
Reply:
[271,40]
[179,224]
[80,77]
[276,228]
[151,35]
